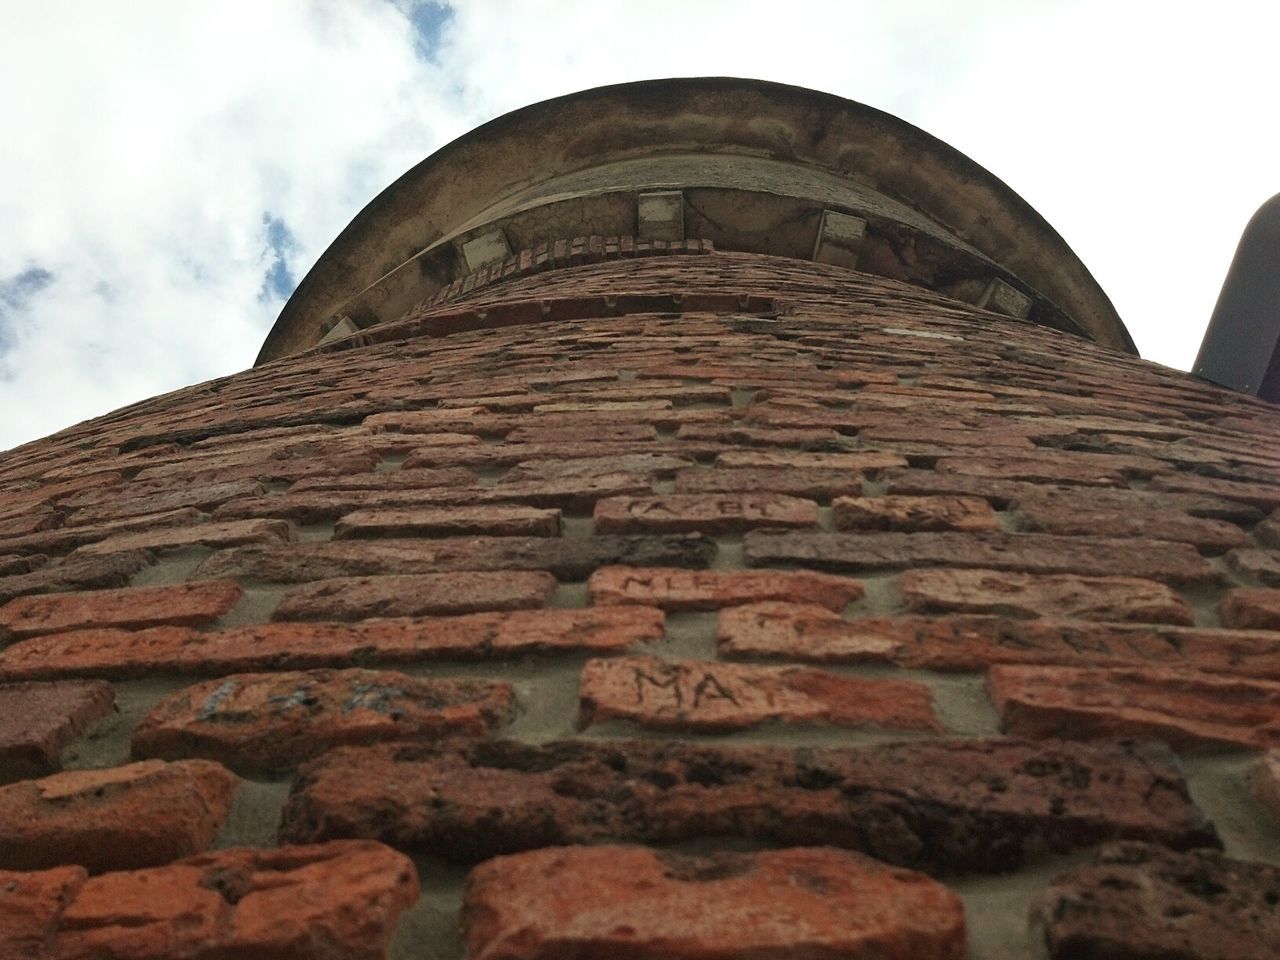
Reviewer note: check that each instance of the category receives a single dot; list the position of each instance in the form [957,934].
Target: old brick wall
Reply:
[736,604]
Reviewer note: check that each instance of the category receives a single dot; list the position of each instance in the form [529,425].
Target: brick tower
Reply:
[692,519]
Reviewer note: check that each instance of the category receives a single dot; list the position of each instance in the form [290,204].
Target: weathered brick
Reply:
[1067,596]
[672,588]
[815,484]
[355,598]
[336,901]
[593,902]
[1183,708]
[14,563]
[693,695]
[1137,901]
[1251,608]
[383,480]
[494,521]
[76,573]
[914,513]
[754,436]
[1253,564]
[1176,563]
[723,513]
[188,603]
[202,535]
[644,465]
[153,498]
[1263,495]
[139,815]
[566,558]
[31,904]
[119,654]
[1049,515]
[38,719]
[553,433]
[272,721]
[989,805]
[863,461]
[816,635]
[1051,466]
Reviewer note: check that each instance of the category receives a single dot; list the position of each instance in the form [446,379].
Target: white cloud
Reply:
[145,142]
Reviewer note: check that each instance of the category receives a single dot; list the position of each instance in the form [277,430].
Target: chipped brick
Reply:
[31,904]
[587,901]
[1136,901]
[1183,708]
[139,815]
[202,535]
[494,521]
[356,598]
[336,901]
[38,719]
[988,805]
[272,721]
[190,603]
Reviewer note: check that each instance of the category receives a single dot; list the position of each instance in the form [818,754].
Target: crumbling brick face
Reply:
[604,555]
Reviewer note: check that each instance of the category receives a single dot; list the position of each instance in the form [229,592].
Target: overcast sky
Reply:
[170,169]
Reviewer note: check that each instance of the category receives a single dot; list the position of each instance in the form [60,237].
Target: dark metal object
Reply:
[1241,348]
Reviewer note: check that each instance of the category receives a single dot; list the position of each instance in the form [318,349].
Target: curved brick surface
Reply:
[602,902]
[874,493]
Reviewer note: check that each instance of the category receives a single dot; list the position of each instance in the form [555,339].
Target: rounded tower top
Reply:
[746,164]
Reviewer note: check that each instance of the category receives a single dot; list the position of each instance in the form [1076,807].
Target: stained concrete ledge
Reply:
[549,151]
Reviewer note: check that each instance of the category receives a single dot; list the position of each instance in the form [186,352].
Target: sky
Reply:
[171,169]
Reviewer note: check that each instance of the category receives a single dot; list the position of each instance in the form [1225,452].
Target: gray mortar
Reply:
[256,606]
[106,743]
[172,566]
[254,817]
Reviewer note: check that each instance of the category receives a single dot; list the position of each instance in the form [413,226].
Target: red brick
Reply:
[1260,565]
[866,461]
[203,535]
[552,433]
[816,635]
[38,719]
[509,454]
[599,903]
[1265,781]
[1138,901]
[1005,493]
[1263,495]
[1049,466]
[1067,596]
[184,603]
[356,598]
[954,805]
[1175,563]
[31,904]
[646,465]
[495,521]
[749,436]
[337,901]
[815,484]
[272,721]
[914,513]
[1183,708]
[568,559]
[723,513]
[1251,608]
[1051,515]
[12,563]
[140,815]
[384,480]
[76,573]
[119,654]
[672,588]
[693,695]
[138,499]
